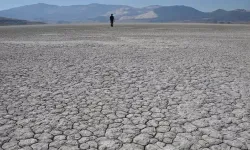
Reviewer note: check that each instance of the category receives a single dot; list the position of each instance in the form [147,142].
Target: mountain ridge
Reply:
[100,13]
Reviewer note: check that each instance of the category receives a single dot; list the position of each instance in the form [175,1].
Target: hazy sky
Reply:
[204,5]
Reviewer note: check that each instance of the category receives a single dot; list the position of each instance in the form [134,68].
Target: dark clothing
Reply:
[112,19]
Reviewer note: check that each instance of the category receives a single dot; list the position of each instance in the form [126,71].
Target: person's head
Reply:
[111,14]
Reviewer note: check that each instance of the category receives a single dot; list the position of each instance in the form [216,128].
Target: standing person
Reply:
[112,19]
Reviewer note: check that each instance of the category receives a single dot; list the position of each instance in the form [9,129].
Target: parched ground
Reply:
[132,87]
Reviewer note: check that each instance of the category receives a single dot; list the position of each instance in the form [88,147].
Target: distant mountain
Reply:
[178,13]
[100,13]
[239,15]
[53,13]
[127,13]
[9,21]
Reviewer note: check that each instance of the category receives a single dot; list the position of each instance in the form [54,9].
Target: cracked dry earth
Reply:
[132,87]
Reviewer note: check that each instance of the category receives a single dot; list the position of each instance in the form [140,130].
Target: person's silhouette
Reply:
[112,19]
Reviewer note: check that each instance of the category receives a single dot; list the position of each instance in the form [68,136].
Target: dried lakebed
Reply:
[132,87]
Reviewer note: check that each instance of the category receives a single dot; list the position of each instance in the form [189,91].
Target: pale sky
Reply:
[203,5]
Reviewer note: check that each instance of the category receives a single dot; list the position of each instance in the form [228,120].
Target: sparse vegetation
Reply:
[9,21]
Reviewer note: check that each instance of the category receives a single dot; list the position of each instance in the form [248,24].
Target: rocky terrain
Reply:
[131,87]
